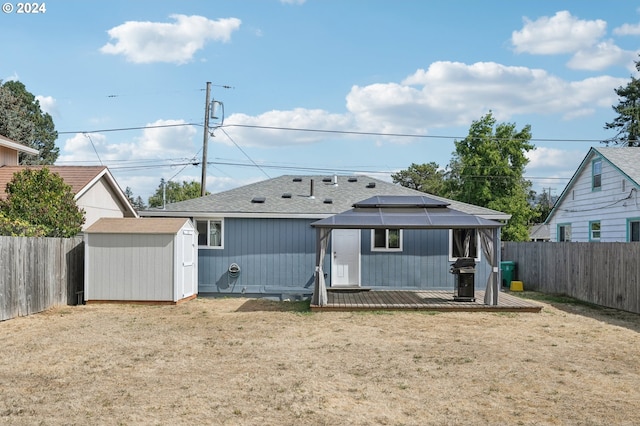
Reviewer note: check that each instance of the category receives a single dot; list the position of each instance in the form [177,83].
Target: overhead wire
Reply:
[311,130]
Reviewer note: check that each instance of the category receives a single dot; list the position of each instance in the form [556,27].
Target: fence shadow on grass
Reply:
[570,305]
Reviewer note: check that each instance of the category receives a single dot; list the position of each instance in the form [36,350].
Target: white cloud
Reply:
[155,143]
[559,34]
[543,157]
[601,56]
[447,94]
[299,118]
[552,167]
[293,1]
[147,42]
[48,104]
[627,29]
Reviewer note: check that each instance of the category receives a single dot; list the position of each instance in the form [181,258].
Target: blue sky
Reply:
[410,67]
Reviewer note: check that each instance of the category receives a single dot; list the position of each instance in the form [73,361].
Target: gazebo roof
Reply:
[418,212]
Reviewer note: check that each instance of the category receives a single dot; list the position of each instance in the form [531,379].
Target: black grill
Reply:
[464,270]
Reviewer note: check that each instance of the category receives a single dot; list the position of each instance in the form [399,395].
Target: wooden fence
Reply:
[38,273]
[606,274]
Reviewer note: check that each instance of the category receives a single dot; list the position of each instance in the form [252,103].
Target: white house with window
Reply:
[600,203]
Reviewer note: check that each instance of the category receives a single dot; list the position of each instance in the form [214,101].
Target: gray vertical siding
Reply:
[423,263]
[130,267]
[277,257]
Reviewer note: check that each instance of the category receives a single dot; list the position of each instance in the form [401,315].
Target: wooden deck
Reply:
[352,300]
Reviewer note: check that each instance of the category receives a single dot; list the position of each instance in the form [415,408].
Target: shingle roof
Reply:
[290,195]
[78,177]
[627,159]
[111,225]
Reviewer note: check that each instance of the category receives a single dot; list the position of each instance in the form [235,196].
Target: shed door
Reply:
[345,260]
[188,263]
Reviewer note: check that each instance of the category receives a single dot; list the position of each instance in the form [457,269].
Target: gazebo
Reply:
[407,212]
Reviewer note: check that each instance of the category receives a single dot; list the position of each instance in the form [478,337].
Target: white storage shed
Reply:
[151,260]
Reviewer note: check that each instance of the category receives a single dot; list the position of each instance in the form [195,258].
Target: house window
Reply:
[463,243]
[633,230]
[596,168]
[210,233]
[564,233]
[386,239]
[594,231]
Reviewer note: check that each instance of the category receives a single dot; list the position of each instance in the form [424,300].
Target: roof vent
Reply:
[286,195]
[327,180]
[297,179]
[353,179]
[258,200]
[371,185]
[328,201]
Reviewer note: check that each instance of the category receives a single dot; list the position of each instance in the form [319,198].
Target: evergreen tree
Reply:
[22,120]
[627,122]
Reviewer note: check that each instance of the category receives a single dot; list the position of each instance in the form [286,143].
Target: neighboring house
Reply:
[10,150]
[95,189]
[539,232]
[600,202]
[259,240]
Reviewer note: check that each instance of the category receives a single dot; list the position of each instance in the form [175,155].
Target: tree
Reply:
[542,205]
[174,192]
[42,199]
[627,123]
[136,202]
[487,170]
[426,177]
[20,228]
[22,120]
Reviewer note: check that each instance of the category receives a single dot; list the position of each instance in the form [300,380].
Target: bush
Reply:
[38,200]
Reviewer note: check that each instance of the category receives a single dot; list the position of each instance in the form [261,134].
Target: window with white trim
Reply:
[564,233]
[210,233]
[389,239]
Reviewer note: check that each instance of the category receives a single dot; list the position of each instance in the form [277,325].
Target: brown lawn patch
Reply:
[255,362]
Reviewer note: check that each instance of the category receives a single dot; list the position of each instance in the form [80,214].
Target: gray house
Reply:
[260,239]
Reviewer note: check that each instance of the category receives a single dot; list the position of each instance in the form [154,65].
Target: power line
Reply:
[311,130]
[245,154]
[124,129]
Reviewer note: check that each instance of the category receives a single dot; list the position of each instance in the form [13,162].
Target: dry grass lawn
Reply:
[255,362]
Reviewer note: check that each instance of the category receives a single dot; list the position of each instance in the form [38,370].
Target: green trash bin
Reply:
[508,268]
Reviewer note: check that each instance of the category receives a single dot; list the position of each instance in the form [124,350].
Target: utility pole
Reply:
[205,142]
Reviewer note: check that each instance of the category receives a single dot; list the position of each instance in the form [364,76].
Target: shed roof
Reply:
[403,212]
[112,225]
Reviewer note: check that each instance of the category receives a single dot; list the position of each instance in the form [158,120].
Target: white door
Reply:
[345,259]
[188,263]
